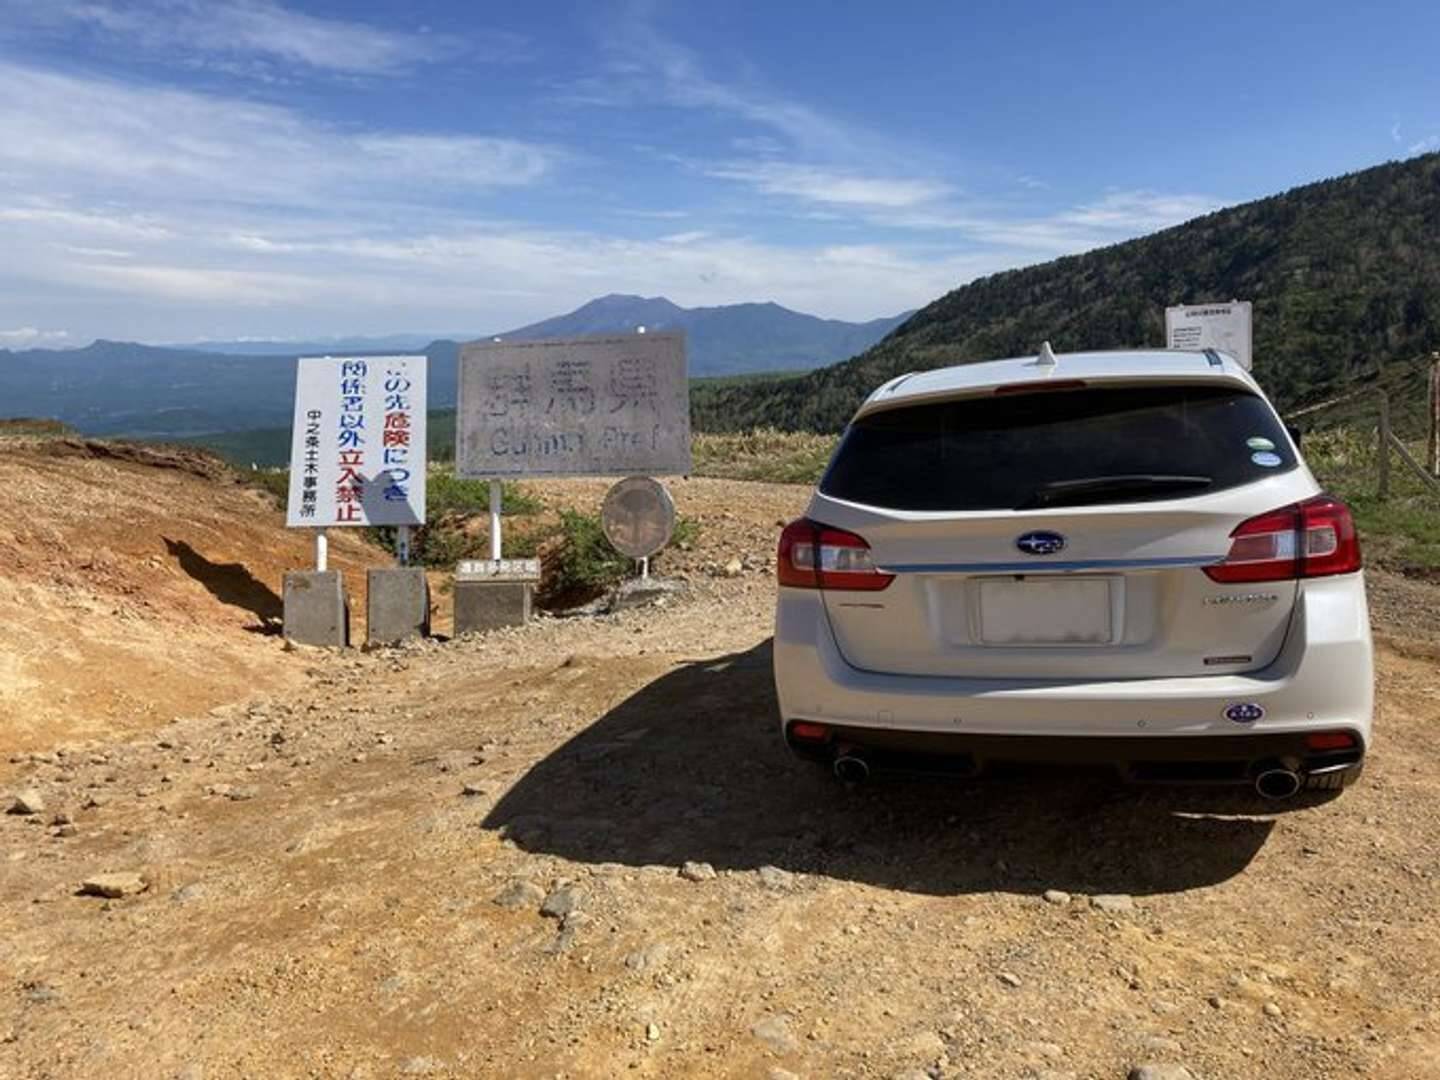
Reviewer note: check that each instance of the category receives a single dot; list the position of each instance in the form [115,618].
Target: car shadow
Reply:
[692,767]
[232,584]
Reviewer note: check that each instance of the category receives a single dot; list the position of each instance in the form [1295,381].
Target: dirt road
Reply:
[347,879]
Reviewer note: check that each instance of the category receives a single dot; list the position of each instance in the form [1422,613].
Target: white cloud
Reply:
[1140,211]
[1424,146]
[692,237]
[67,134]
[245,28]
[29,337]
[1118,215]
[832,186]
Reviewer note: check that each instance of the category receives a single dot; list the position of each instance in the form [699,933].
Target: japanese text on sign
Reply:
[358,446]
[1225,327]
[595,406]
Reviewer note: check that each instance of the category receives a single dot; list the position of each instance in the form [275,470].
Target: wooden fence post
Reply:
[1432,448]
[1384,445]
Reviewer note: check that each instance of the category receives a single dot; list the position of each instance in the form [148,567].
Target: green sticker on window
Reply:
[1259,442]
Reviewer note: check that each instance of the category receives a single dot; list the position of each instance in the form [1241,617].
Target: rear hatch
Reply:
[1061,533]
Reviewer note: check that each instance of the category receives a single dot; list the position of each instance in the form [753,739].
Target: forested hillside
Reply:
[1344,275]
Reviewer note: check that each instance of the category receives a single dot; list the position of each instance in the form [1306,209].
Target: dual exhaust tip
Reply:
[850,767]
[1277,782]
[1274,783]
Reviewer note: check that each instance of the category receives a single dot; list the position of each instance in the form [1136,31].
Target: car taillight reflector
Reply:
[1315,538]
[1330,740]
[808,731]
[815,556]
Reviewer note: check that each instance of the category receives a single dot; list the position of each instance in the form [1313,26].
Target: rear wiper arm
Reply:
[1059,492]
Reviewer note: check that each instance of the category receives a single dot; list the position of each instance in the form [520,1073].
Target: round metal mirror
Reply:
[638,516]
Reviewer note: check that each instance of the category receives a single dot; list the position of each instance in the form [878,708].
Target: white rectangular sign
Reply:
[609,405]
[1224,327]
[357,452]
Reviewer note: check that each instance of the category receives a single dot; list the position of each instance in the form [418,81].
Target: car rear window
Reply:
[1008,451]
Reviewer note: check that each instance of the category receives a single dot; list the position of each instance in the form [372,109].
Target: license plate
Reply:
[1047,611]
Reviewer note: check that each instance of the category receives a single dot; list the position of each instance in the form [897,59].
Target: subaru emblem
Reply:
[1246,712]
[1041,542]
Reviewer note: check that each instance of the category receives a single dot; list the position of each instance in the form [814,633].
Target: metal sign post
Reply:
[322,550]
[402,545]
[495,501]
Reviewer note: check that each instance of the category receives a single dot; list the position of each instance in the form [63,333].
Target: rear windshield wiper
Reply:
[1070,492]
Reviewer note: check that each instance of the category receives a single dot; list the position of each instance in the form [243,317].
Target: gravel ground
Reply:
[579,850]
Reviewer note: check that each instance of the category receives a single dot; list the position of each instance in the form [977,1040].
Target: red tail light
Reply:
[815,556]
[1315,538]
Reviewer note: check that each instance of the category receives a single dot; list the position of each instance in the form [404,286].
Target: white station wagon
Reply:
[1108,557]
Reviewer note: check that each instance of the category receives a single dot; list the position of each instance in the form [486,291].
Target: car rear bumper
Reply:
[1204,759]
[1322,680]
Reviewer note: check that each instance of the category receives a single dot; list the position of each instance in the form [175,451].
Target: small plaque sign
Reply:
[498,570]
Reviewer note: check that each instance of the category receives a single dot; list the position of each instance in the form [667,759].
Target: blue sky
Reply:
[181,169]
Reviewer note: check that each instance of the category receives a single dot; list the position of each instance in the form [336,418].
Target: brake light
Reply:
[1315,538]
[815,556]
[1040,386]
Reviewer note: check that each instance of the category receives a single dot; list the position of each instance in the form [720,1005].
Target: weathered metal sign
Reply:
[1225,327]
[592,406]
[357,452]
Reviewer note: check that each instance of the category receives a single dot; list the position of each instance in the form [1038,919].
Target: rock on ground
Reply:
[113,886]
[27,801]
[1113,903]
[774,1032]
[562,901]
[1161,1072]
[520,894]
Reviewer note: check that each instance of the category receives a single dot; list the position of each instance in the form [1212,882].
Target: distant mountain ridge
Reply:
[734,339]
[1344,275]
[115,387]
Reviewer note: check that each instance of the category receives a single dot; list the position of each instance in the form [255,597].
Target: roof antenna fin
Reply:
[1046,357]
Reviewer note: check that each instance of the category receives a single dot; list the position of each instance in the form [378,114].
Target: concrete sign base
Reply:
[397,605]
[317,611]
[489,605]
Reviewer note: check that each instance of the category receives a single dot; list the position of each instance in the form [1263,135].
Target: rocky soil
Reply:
[579,850]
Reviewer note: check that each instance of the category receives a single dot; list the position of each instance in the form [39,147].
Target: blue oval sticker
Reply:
[1245,712]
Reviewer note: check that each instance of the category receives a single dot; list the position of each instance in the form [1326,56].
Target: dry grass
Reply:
[778,457]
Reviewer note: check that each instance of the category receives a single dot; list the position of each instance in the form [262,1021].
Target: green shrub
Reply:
[582,562]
